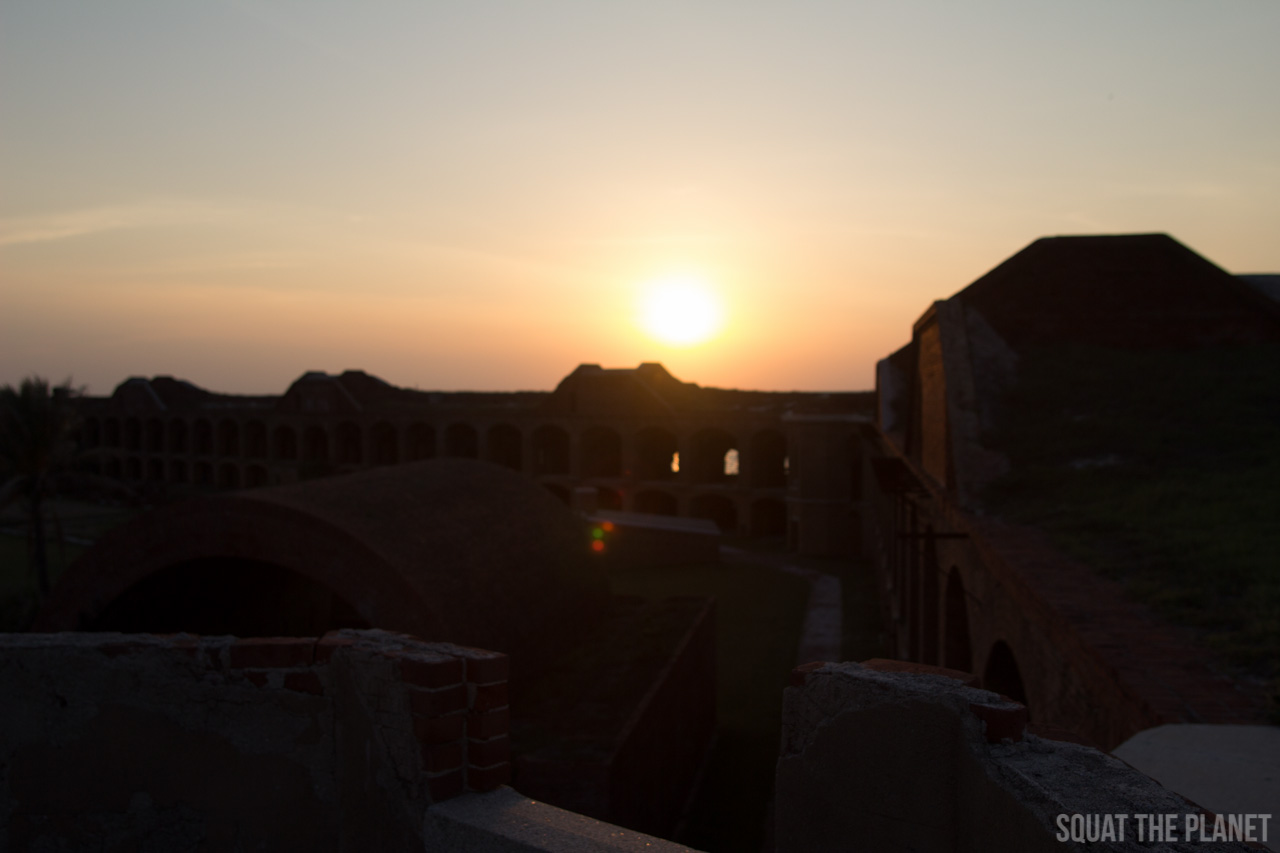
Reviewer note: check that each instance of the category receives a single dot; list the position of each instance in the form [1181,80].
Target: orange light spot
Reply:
[597,546]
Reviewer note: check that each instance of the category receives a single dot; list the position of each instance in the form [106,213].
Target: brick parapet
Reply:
[457,699]
[1108,668]
[1158,670]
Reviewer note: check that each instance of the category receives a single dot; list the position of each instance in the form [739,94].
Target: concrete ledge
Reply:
[181,742]
[914,761]
[504,821]
[1227,769]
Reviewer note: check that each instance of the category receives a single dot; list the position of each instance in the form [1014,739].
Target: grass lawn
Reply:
[1162,470]
[759,614]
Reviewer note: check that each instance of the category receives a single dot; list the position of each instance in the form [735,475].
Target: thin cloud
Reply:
[60,226]
[44,228]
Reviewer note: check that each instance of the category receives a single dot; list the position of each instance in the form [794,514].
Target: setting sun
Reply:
[680,310]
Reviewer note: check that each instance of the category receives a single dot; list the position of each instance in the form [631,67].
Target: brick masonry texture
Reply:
[316,717]
[1092,663]
[963,588]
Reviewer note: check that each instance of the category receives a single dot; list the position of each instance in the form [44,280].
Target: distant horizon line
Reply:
[418,389]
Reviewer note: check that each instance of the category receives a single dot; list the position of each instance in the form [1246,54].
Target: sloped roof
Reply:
[647,390]
[165,393]
[1129,291]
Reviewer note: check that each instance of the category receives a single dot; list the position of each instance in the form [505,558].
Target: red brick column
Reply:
[487,746]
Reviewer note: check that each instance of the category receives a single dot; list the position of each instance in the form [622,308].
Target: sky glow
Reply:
[680,310]
[471,196]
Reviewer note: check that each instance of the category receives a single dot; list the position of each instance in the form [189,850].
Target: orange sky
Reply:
[475,196]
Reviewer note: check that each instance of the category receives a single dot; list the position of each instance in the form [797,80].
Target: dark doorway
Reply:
[1002,674]
[228,595]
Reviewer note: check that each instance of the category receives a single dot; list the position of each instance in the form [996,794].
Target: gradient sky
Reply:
[473,195]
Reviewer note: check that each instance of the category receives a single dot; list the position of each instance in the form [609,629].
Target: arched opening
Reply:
[1002,674]
[111,430]
[561,492]
[656,449]
[203,437]
[132,434]
[155,435]
[315,444]
[713,457]
[550,450]
[504,446]
[256,476]
[608,498]
[656,502]
[203,474]
[178,471]
[767,462]
[286,443]
[155,470]
[92,432]
[229,476]
[349,449]
[956,652]
[228,438]
[769,519]
[226,595]
[177,435]
[718,508]
[113,468]
[386,447]
[255,440]
[133,468]
[601,452]
[421,442]
[461,441]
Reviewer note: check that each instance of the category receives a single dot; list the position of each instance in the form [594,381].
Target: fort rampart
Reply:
[336,742]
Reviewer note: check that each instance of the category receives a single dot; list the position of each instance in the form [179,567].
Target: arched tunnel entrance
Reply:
[445,550]
[228,595]
[1002,674]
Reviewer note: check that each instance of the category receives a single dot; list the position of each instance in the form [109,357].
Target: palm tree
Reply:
[36,426]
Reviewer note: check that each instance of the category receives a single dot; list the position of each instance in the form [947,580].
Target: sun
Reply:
[681,310]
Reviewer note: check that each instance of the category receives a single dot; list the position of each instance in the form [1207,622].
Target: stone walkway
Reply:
[821,636]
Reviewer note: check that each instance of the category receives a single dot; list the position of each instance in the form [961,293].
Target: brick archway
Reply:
[446,549]
[1002,674]
[234,528]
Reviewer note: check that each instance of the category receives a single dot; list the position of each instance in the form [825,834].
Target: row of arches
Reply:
[937,628]
[224,475]
[709,455]
[763,517]
[942,607]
